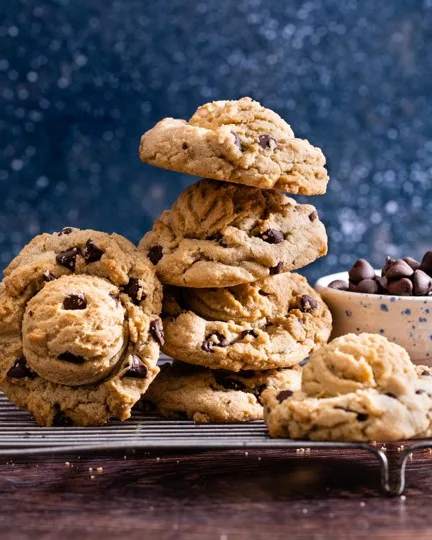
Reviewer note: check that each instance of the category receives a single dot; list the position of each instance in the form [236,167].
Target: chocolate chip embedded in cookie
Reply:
[237,141]
[261,325]
[356,388]
[204,395]
[78,310]
[220,234]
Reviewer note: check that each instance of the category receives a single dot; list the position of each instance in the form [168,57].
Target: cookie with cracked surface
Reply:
[237,141]
[271,323]
[220,234]
[369,391]
[205,395]
[80,328]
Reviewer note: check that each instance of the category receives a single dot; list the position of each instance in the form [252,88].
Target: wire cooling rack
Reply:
[20,436]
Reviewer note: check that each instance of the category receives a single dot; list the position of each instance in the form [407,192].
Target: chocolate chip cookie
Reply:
[205,395]
[237,141]
[220,234]
[271,323]
[357,388]
[80,329]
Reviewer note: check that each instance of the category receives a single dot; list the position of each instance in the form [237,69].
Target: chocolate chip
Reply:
[420,391]
[267,141]
[388,262]
[399,269]
[237,140]
[248,333]
[272,236]
[412,262]
[313,216]
[75,301]
[134,290]
[426,263]
[20,370]
[369,286]
[422,283]
[47,276]
[362,417]
[207,346]
[401,287]
[71,358]
[308,303]
[274,270]
[92,253]
[65,230]
[155,254]
[209,343]
[352,287]
[185,146]
[228,382]
[361,270]
[285,394]
[382,282]
[68,258]
[61,420]
[137,369]
[156,330]
[339,285]
[389,394]
[425,373]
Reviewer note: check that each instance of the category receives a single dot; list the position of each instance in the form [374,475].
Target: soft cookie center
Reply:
[74,330]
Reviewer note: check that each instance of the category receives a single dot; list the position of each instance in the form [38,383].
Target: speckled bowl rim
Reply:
[322,283]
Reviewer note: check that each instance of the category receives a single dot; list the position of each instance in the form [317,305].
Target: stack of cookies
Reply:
[235,318]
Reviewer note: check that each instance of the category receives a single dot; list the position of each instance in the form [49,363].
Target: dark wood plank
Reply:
[221,495]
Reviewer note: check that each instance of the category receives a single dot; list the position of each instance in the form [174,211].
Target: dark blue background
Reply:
[80,80]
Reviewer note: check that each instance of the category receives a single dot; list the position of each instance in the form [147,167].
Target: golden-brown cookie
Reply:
[356,388]
[206,395]
[271,323]
[237,141]
[220,234]
[80,329]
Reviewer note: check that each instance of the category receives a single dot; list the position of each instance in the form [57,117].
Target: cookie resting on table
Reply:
[356,388]
[80,331]
[272,323]
[220,234]
[237,141]
[205,395]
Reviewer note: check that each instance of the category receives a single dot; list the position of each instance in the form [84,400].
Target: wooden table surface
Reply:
[211,495]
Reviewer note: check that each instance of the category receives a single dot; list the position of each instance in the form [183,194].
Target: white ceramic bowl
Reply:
[406,320]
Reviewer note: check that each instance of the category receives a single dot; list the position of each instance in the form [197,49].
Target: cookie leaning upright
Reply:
[237,141]
[219,234]
[80,330]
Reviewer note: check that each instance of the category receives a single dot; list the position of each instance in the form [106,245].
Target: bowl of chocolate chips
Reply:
[395,302]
